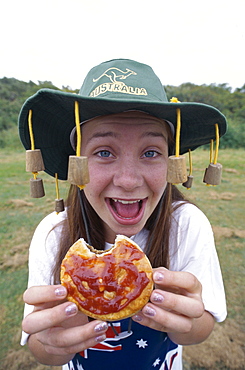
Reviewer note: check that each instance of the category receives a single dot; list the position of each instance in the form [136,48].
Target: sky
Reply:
[195,41]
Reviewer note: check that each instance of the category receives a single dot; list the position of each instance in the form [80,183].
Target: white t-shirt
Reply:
[192,249]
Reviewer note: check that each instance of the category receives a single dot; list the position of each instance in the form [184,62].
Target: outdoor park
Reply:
[223,205]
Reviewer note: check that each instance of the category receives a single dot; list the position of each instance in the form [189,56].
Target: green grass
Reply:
[12,284]
[224,206]
[20,214]
[221,212]
[232,256]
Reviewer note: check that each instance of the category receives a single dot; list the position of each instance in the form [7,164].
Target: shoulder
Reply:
[48,232]
[191,234]
[51,221]
[188,214]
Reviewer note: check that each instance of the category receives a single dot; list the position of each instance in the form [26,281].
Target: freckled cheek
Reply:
[99,180]
[158,177]
[158,186]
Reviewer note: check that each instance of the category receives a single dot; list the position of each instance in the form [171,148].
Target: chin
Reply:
[129,231]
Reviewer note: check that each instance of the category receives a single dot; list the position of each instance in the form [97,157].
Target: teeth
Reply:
[126,201]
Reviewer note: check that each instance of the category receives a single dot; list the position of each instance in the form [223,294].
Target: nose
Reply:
[128,175]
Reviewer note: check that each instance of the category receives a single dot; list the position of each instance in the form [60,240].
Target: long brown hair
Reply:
[158,224]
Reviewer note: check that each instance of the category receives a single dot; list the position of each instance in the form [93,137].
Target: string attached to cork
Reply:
[188,183]
[78,165]
[34,164]
[78,128]
[176,163]
[59,202]
[213,173]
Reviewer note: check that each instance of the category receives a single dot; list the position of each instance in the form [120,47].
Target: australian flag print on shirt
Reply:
[129,346]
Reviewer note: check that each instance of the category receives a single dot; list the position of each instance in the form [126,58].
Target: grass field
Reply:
[224,206]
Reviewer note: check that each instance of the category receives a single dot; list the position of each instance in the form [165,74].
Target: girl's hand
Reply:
[56,327]
[176,307]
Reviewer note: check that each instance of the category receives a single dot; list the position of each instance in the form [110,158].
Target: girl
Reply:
[128,132]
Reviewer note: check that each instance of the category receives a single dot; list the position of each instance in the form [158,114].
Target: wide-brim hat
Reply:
[112,87]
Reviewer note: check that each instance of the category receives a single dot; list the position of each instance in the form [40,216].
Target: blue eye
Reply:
[104,153]
[150,153]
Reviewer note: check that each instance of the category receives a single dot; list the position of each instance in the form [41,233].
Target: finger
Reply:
[183,305]
[177,281]
[73,340]
[47,293]
[41,320]
[78,348]
[167,321]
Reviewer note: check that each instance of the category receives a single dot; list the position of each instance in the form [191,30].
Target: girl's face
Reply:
[127,157]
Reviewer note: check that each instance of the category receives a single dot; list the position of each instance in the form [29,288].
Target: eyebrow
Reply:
[102,134]
[154,134]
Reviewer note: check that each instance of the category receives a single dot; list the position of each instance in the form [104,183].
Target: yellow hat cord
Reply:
[211,150]
[31,138]
[30,129]
[79,136]
[188,183]
[57,186]
[213,158]
[190,163]
[178,127]
[177,140]
[217,143]
[59,202]
[78,128]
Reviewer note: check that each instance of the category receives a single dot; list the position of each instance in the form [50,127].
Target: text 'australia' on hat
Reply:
[112,87]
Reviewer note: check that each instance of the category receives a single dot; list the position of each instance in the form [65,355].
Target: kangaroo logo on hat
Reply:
[115,75]
[112,74]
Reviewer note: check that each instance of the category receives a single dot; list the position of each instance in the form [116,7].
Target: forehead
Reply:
[129,118]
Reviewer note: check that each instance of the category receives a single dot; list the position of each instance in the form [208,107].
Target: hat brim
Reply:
[53,114]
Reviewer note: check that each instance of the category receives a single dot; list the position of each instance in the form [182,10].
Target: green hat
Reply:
[111,87]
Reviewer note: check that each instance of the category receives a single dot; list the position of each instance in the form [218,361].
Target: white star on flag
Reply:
[141,343]
[157,362]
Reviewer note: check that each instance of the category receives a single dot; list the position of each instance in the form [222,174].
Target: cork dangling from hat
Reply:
[78,165]
[213,173]
[34,164]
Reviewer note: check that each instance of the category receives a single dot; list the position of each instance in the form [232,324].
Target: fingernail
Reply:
[71,309]
[158,298]
[60,292]
[137,318]
[100,338]
[101,327]
[148,311]
[158,276]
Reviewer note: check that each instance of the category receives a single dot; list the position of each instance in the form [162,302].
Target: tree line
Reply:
[13,94]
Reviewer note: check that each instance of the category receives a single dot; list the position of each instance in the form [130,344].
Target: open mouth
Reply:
[127,210]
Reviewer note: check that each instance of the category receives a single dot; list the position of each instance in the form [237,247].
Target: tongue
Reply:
[127,210]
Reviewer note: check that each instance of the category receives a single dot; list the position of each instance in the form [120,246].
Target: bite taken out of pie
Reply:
[107,285]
